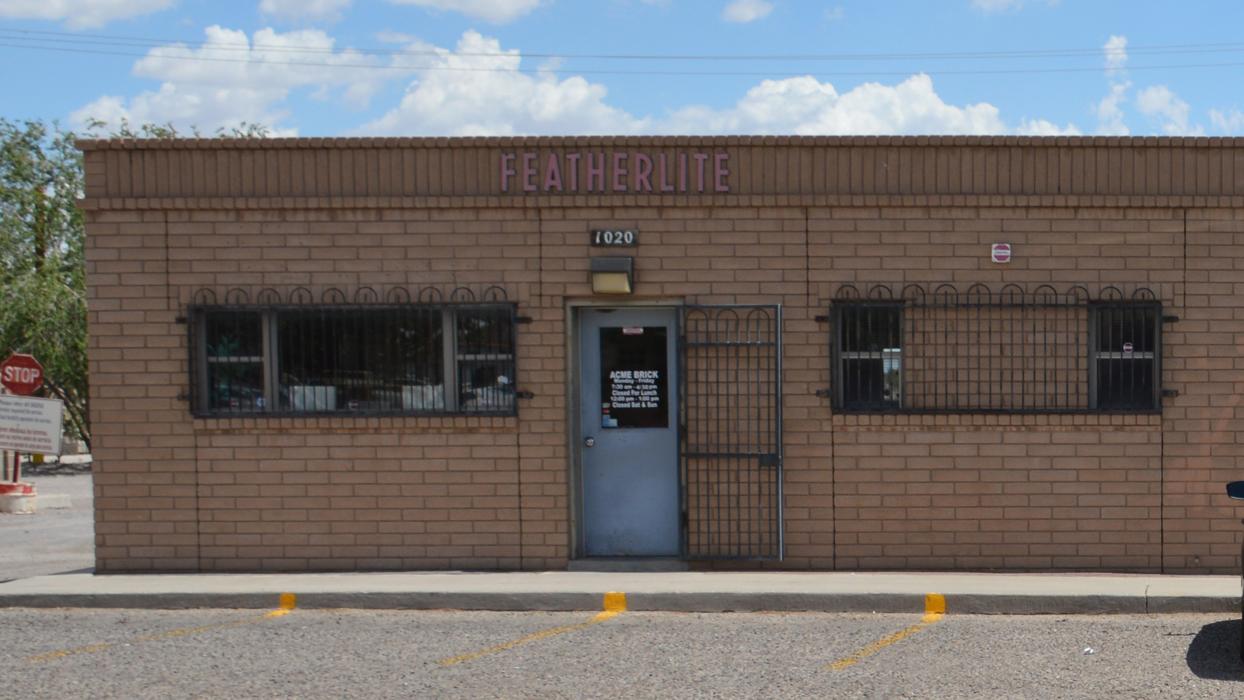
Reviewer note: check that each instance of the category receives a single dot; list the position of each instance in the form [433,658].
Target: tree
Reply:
[42,269]
[42,275]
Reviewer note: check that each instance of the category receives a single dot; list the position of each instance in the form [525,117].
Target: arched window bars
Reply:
[396,351]
[916,349]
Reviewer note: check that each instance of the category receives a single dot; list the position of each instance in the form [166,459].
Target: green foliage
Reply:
[42,273]
[125,130]
[42,268]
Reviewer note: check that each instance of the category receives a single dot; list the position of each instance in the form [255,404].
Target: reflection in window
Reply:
[371,360]
[234,358]
[356,359]
[485,360]
[1125,356]
[869,372]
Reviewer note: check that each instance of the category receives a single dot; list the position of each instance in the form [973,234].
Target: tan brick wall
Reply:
[1012,492]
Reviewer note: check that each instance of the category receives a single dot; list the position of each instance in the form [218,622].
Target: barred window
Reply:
[1125,357]
[869,355]
[979,351]
[356,359]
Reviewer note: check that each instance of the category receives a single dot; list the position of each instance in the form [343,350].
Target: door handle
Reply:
[589,442]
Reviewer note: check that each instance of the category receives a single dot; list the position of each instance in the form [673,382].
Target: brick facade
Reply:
[1117,492]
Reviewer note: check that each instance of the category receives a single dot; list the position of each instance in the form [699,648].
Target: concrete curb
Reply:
[690,602]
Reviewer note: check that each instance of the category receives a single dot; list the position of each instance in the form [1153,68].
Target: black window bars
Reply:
[1011,351]
[294,354]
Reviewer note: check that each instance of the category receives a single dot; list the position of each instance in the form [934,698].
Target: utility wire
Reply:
[31,35]
[261,61]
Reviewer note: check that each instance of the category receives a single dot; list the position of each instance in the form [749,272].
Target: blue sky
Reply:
[498,67]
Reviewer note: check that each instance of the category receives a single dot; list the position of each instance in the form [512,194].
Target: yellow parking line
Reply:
[285,606]
[614,605]
[934,610]
[287,603]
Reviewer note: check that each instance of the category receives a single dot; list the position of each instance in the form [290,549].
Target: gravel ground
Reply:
[333,654]
[51,540]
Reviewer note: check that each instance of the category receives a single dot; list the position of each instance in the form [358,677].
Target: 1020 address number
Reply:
[615,238]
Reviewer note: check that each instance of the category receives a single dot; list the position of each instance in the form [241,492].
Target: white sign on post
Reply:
[31,425]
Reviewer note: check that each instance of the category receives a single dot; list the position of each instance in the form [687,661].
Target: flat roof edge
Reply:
[666,141]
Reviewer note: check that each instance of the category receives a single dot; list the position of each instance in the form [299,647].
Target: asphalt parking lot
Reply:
[315,653]
[52,540]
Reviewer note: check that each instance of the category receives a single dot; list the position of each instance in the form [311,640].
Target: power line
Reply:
[148,42]
[590,71]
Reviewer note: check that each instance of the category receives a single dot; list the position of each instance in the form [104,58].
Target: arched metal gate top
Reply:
[731,454]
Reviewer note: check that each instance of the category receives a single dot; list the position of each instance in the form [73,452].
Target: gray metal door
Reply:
[628,436]
[732,431]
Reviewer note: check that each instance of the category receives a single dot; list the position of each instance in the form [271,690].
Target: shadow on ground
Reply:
[1215,652]
[55,468]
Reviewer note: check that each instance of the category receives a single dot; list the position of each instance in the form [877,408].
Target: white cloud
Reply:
[1115,51]
[1229,122]
[467,93]
[1110,114]
[744,11]
[495,11]
[1159,102]
[325,10]
[481,96]
[1109,109]
[80,14]
[835,13]
[485,95]
[806,106]
[388,36]
[1042,127]
[231,78]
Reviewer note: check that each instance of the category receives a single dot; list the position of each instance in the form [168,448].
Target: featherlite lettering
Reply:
[603,172]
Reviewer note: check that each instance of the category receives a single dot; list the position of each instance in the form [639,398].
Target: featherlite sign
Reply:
[613,172]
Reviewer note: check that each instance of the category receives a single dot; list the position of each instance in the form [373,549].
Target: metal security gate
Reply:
[731,419]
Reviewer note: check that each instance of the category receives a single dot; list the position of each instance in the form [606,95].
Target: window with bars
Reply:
[1008,352]
[357,359]
[1125,356]
[869,355]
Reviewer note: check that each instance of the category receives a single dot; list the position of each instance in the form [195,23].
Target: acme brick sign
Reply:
[628,171]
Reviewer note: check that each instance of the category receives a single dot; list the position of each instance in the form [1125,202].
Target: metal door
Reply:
[732,431]
[628,436]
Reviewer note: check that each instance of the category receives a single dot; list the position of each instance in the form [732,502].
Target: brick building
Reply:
[804,353]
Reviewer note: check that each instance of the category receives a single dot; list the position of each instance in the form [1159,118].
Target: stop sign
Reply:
[21,374]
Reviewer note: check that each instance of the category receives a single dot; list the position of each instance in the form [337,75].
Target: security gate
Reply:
[731,419]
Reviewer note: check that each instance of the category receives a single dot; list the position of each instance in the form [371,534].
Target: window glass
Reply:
[360,360]
[870,356]
[1008,352]
[485,360]
[1125,356]
[387,359]
[234,361]
[634,377]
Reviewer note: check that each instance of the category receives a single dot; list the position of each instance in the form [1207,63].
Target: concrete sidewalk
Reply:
[672,591]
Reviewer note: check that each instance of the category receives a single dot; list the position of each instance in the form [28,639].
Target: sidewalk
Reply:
[672,591]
